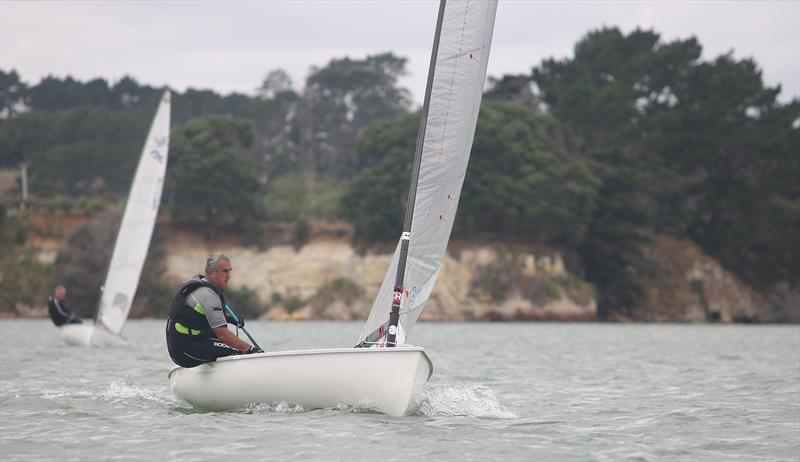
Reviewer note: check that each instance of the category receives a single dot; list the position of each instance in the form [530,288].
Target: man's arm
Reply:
[63,311]
[207,302]
[226,336]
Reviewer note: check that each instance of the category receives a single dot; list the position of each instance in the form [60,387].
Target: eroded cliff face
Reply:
[329,279]
[480,282]
[688,286]
[485,282]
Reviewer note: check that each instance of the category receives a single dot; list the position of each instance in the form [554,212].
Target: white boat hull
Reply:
[89,334]
[388,380]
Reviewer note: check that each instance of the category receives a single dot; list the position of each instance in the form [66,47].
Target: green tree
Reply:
[522,182]
[375,199]
[512,88]
[612,83]
[277,133]
[209,178]
[736,149]
[128,95]
[286,199]
[276,82]
[13,94]
[339,102]
[53,93]
[611,253]
[193,104]
[76,151]
[690,148]
[611,97]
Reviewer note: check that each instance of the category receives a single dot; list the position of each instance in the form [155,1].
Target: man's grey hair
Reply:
[212,262]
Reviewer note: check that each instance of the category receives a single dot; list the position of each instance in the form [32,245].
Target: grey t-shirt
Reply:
[209,303]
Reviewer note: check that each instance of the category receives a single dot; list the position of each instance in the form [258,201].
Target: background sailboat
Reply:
[133,239]
[389,376]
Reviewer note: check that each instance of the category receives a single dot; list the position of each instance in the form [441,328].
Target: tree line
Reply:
[593,154]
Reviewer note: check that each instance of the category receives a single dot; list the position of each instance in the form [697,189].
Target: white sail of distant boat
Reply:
[135,232]
[390,375]
[136,229]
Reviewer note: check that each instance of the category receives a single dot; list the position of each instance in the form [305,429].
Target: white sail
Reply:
[456,91]
[136,228]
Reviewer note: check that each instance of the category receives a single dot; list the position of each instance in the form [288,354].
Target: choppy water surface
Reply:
[499,392]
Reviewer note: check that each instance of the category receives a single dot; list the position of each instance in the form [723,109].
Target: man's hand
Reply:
[239,323]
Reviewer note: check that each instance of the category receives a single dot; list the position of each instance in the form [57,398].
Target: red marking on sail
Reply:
[471,56]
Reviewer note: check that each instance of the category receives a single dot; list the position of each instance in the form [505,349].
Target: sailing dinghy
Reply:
[383,373]
[133,240]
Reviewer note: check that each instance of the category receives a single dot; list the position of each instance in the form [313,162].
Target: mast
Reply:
[394,315]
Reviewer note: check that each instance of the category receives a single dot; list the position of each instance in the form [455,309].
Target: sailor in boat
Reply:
[57,307]
[197,329]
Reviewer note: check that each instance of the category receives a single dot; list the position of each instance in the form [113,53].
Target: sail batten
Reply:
[138,221]
[446,134]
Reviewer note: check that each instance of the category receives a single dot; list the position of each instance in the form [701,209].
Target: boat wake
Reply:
[462,400]
[123,391]
[439,400]
[284,407]
[281,407]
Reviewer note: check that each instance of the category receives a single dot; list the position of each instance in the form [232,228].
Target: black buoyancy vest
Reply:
[180,311]
[55,314]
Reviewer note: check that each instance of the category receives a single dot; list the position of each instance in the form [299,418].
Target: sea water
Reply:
[505,392]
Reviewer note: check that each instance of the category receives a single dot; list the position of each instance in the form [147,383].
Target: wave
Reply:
[118,390]
[281,407]
[462,400]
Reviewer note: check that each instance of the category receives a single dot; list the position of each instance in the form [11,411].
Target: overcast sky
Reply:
[230,46]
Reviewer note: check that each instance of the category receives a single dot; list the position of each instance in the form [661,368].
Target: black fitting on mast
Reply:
[397,296]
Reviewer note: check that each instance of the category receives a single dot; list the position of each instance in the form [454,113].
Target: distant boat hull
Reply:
[89,334]
[388,380]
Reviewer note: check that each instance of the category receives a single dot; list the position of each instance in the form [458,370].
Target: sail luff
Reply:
[456,91]
[136,227]
[394,314]
[423,122]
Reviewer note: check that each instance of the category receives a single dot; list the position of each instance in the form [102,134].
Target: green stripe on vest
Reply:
[185,330]
[199,309]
